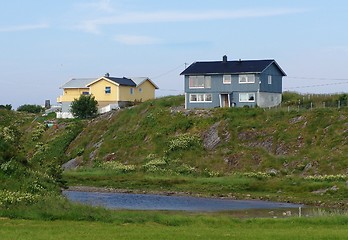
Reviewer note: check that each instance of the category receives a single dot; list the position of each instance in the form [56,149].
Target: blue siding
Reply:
[276,86]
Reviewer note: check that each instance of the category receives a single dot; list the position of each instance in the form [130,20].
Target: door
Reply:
[224,100]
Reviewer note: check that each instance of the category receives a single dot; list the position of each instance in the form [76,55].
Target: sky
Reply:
[44,44]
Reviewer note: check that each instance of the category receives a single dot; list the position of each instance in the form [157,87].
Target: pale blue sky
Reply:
[43,44]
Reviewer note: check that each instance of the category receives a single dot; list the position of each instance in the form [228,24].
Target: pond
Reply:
[163,202]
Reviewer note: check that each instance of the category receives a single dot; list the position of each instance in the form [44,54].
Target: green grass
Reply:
[185,227]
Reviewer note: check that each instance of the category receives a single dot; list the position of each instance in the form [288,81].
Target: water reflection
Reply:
[177,203]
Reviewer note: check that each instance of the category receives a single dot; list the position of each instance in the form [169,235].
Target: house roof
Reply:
[140,80]
[86,82]
[122,81]
[230,67]
[78,83]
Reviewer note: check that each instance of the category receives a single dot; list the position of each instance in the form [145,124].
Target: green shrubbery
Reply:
[30,108]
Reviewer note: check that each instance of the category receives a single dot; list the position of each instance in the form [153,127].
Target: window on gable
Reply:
[247,78]
[201,97]
[269,79]
[226,79]
[246,97]
[200,81]
[140,90]
[107,90]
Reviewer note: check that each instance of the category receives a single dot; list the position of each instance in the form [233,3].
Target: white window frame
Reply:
[108,90]
[131,91]
[226,79]
[249,95]
[201,97]
[269,80]
[199,81]
[250,78]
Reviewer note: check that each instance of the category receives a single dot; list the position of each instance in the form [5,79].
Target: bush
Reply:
[7,107]
[30,108]
[84,107]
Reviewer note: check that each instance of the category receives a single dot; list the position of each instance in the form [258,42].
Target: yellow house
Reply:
[110,92]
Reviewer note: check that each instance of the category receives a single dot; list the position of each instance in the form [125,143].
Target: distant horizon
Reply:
[44,45]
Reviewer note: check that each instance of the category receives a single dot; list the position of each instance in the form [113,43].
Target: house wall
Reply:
[276,86]
[125,93]
[69,94]
[147,91]
[98,91]
[265,99]
[218,88]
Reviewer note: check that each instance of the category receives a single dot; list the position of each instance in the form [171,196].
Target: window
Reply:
[85,93]
[200,97]
[269,79]
[140,90]
[199,81]
[131,90]
[107,90]
[247,97]
[226,79]
[247,78]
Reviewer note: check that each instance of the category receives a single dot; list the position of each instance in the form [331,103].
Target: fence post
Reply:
[339,103]
[323,104]
[311,105]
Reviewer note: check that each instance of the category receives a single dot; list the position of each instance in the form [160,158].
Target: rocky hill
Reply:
[311,141]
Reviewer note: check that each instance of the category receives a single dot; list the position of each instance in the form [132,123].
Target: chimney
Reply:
[224,59]
[107,75]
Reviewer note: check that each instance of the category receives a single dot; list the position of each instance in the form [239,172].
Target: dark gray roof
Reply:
[230,67]
[122,81]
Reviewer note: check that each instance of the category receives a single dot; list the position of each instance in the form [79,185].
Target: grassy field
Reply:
[188,227]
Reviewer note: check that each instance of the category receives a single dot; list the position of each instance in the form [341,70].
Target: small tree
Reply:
[30,108]
[84,107]
[7,107]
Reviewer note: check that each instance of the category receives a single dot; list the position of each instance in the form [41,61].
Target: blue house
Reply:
[233,84]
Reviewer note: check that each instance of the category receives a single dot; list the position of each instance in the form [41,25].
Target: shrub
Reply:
[7,107]
[117,166]
[329,178]
[84,107]
[8,198]
[184,142]
[30,108]
[154,163]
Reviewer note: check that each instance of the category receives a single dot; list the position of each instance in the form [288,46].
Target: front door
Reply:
[224,100]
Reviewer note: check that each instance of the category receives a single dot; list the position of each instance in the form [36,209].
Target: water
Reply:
[162,202]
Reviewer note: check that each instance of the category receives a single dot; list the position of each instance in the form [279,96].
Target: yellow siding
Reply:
[118,93]
[125,93]
[147,91]
[69,94]
[98,91]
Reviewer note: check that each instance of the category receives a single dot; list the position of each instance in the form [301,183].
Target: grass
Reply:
[179,227]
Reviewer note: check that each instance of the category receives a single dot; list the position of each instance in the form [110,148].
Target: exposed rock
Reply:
[296,119]
[211,138]
[72,164]
[272,172]
[233,160]
[110,157]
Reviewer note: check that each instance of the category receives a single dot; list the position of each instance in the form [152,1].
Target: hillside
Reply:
[284,154]
[161,136]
